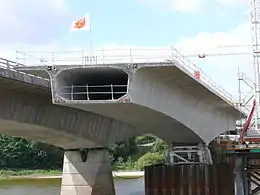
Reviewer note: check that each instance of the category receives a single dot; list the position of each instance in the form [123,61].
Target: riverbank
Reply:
[56,174]
[12,173]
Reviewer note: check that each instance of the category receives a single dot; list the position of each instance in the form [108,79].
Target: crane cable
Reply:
[216,55]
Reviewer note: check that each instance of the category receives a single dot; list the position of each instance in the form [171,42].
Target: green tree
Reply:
[150,158]
[125,149]
[159,146]
[18,153]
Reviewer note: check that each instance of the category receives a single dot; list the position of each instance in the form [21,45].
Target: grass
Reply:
[10,172]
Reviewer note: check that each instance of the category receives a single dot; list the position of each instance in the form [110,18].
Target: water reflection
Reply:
[52,187]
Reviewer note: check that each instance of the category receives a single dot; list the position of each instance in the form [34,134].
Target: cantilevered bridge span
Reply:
[91,102]
[147,89]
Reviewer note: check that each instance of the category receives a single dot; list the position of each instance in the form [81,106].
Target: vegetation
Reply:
[10,172]
[17,153]
[21,157]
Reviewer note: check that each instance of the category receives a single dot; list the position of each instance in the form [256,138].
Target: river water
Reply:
[52,186]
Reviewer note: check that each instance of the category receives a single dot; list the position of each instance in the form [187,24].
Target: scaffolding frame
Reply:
[246,100]
[189,154]
[254,86]
[255,25]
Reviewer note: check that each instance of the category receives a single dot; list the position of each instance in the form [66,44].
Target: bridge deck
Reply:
[197,87]
[14,81]
[172,75]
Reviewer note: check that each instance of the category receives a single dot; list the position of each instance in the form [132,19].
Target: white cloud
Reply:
[14,52]
[30,24]
[59,6]
[31,21]
[186,6]
[222,68]
[232,3]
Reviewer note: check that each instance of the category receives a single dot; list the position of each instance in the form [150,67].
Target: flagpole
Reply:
[85,23]
[91,36]
[91,49]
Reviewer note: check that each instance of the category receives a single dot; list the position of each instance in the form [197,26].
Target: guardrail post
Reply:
[87,92]
[171,51]
[96,59]
[7,64]
[112,92]
[130,52]
[103,56]
[71,93]
[16,56]
[52,58]
[82,57]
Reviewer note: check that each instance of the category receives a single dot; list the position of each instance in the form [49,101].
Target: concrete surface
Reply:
[161,99]
[92,177]
[26,110]
[159,96]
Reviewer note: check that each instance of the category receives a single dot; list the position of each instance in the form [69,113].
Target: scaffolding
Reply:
[189,154]
[254,86]
[255,24]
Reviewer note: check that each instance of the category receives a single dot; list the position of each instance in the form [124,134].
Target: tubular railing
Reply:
[206,80]
[98,57]
[9,64]
[75,90]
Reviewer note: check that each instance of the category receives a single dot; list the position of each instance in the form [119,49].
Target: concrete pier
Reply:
[87,173]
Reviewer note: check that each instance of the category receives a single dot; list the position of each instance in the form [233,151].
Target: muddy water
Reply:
[52,187]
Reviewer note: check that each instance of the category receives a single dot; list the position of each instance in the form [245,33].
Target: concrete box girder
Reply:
[163,93]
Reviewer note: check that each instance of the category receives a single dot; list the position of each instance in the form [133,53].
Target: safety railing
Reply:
[129,55]
[93,92]
[206,80]
[103,56]
[9,64]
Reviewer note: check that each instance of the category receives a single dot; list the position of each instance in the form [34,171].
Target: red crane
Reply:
[247,123]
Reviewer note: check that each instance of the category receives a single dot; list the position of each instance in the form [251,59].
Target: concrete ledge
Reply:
[24,77]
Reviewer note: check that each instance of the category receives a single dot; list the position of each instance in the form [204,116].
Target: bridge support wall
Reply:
[87,173]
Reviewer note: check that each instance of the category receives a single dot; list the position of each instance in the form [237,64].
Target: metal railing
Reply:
[191,67]
[129,55]
[9,64]
[206,80]
[103,56]
[188,155]
[74,92]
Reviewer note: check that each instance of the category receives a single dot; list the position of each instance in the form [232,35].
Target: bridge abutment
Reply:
[87,173]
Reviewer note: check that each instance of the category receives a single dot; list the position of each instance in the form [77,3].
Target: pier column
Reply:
[87,173]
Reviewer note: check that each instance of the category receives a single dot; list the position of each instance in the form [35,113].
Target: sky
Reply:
[192,26]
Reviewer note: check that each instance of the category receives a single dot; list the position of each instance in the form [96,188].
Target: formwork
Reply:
[189,180]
